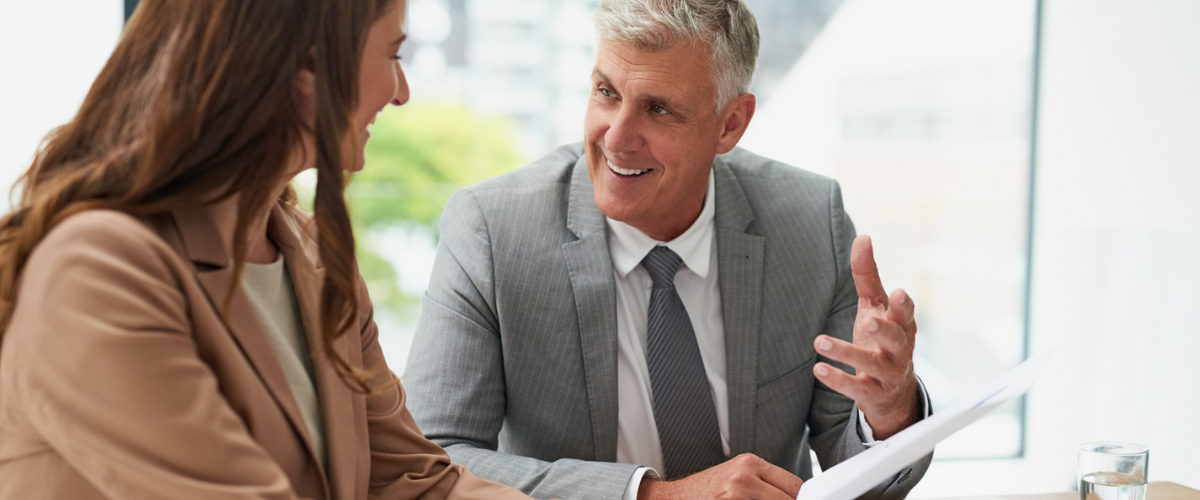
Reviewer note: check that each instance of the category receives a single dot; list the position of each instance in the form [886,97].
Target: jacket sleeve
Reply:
[110,378]
[456,373]
[833,417]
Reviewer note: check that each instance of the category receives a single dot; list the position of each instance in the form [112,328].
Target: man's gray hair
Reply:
[726,26]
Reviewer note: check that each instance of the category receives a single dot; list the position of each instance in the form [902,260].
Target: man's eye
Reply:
[605,92]
[659,110]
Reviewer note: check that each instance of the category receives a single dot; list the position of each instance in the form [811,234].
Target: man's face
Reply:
[651,135]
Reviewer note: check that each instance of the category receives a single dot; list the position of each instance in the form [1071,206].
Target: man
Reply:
[637,317]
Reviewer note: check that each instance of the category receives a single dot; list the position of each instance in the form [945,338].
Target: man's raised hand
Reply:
[884,385]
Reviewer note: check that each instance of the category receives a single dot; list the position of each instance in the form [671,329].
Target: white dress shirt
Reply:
[696,283]
[698,288]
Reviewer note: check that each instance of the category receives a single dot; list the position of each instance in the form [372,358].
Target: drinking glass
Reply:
[1113,471]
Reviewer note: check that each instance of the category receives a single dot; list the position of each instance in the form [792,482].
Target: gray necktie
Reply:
[683,404]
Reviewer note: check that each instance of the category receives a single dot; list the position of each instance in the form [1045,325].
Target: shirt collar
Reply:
[628,245]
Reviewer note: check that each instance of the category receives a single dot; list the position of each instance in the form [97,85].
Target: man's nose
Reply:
[624,133]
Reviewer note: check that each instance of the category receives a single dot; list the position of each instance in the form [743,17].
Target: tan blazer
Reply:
[121,379]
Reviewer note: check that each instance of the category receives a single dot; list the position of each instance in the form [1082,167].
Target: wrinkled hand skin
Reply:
[884,385]
[744,477]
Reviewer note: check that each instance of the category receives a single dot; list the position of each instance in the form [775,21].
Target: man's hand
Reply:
[744,477]
[885,333]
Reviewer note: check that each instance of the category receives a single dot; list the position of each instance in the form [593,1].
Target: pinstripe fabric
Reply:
[513,366]
[683,405]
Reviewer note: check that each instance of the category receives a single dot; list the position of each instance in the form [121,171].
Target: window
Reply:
[919,108]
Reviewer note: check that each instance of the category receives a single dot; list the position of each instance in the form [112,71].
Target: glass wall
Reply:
[919,108]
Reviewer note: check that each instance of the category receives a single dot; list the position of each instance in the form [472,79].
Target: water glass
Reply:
[1113,471]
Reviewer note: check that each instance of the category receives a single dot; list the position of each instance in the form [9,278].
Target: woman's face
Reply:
[380,78]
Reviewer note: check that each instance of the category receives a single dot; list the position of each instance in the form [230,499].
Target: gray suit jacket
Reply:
[514,364]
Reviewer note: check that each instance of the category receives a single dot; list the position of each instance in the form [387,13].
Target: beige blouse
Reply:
[269,288]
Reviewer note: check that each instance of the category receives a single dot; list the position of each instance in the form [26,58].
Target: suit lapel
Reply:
[337,405]
[590,267]
[740,270]
[214,270]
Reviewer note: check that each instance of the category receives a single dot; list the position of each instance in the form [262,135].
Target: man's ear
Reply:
[734,120]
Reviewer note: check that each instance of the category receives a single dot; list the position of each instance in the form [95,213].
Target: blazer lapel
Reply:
[590,267]
[214,270]
[740,270]
[342,432]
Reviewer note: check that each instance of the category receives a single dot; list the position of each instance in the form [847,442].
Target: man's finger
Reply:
[861,358]
[890,338]
[781,479]
[844,383]
[901,310]
[866,274]
[766,491]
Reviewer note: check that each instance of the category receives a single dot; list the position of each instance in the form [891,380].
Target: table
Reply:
[1156,490]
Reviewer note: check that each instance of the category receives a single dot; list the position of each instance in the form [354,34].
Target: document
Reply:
[856,476]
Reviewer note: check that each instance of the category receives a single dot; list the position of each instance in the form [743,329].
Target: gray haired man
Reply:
[656,313]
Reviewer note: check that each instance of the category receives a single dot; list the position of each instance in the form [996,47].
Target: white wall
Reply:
[1117,246]
[50,51]
[1116,250]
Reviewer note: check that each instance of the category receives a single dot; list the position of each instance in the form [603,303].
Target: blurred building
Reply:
[785,28]
[527,60]
[531,60]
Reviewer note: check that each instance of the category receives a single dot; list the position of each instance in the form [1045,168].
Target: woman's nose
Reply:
[401,94]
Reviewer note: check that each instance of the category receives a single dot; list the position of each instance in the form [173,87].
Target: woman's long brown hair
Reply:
[198,103]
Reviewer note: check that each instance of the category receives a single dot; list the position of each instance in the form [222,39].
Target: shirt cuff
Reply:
[631,491]
[864,430]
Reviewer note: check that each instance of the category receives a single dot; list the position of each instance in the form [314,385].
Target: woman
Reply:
[136,362]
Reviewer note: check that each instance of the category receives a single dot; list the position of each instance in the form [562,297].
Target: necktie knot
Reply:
[662,264]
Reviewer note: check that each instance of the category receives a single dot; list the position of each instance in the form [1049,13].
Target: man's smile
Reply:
[626,172]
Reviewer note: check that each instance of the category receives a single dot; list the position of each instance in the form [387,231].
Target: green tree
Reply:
[417,157]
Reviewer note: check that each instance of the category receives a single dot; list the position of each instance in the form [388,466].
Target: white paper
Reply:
[856,476]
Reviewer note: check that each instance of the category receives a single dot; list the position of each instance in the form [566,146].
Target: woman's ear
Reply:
[306,82]
[306,92]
